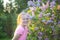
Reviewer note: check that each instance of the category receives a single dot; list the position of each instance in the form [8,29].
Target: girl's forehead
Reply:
[24,16]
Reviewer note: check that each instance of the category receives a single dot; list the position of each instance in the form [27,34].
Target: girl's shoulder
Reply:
[19,30]
[19,27]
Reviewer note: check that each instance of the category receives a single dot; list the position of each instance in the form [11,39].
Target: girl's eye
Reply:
[27,18]
[23,19]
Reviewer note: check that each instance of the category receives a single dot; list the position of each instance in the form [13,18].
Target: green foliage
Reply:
[2,25]
[22,4]
[8,19]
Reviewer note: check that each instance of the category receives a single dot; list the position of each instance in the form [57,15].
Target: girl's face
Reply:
[24,20]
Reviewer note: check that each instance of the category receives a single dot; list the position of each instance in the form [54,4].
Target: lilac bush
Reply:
[45,23]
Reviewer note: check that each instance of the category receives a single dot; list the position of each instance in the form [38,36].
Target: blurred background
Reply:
[9,9]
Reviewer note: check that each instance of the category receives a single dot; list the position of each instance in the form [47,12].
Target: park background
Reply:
[8,15]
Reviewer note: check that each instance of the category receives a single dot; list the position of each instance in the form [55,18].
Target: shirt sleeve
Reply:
[19,30]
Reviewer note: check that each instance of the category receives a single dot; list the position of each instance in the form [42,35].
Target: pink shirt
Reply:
[22,31]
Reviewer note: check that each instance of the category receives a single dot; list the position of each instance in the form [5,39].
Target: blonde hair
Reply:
[19,17]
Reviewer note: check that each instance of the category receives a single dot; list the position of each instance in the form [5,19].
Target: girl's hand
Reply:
[16,36]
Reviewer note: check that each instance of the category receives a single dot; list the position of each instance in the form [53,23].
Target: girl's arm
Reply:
[18,33]
[16,36]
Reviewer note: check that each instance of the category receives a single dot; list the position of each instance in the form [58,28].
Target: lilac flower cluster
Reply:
[52,4]
[48,14]
[58,22]
[40,15]
[40,34]
[32,3]
[43,6]
[46,19]
[49,21]
[46,38]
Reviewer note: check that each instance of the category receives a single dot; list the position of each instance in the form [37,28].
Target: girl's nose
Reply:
[25,21]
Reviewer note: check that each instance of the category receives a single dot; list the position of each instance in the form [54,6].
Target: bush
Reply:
[46,21]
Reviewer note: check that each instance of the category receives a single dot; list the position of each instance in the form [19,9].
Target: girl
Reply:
[22,27]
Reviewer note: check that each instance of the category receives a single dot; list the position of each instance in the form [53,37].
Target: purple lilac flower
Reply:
[40,15]
[40,33]
[52,4]
[49,21]
[47,4]
[38,4]
[48,14]
[52,18]
[39,0]
[53,15]
[46,38]
[29,16]
[44,6]
[58,22]
[31,3]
